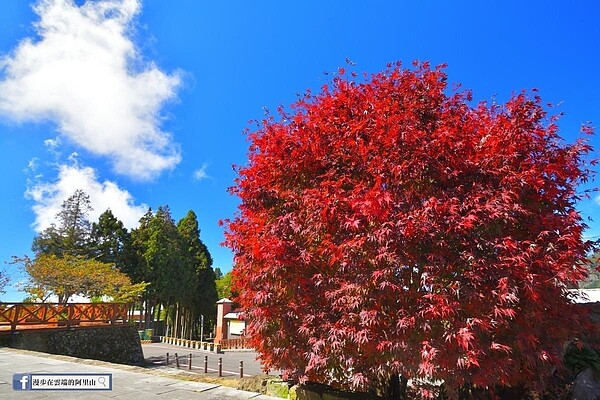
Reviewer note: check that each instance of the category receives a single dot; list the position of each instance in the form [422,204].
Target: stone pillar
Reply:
[223,307]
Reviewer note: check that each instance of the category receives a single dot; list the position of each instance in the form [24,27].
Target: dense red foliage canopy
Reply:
[387,226]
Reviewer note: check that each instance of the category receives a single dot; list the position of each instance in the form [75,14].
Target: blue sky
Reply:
[144,103]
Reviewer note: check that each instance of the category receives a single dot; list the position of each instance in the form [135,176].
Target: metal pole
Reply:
[205,364]
[190,362]
[167,359]
[220,367]
[177,360]
[241,369]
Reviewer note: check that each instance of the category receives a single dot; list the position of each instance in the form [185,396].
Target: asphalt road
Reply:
[156,353]
[125,382]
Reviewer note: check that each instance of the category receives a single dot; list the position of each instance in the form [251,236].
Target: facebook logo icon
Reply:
[21,382]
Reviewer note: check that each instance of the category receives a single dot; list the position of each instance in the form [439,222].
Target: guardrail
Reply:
[191,344]
[27,315]
[187,362]
[240,343]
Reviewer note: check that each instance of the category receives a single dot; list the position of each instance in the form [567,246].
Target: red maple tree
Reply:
[388,227]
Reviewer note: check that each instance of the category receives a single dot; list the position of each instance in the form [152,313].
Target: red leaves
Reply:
[500,347]
[464,338]
[388,227]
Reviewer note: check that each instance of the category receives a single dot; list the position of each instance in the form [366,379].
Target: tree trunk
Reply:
[141,314]
[176,323]
[132,309]
[153,315]
[167,321]
[148,313]
[398,385]
[187,324]
[158,311]
[191,322]
[182,329]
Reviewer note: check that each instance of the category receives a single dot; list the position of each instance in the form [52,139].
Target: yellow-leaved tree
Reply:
[71,275]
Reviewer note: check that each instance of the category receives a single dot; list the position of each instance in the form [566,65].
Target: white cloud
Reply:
[32,165]
[85,74]
[52,144]
[200,173]
[49,196]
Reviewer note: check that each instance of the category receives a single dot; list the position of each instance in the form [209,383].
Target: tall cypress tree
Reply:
[112,243]
[165,261]
[204,295]
[71,234]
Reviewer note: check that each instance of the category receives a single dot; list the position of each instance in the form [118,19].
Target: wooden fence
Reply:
[14,316]
[228,344]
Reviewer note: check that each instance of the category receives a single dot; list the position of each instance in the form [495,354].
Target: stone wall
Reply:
[315,391]
[276,387]
[115,343]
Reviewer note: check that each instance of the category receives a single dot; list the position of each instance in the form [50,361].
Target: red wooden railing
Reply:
[15,316]
[241,343]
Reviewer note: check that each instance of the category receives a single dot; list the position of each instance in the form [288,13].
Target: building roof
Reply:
[224,301]
[234,315]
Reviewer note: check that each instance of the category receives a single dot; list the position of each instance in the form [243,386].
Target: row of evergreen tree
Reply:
[170,257]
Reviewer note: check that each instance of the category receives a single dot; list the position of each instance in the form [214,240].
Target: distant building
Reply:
[230,323]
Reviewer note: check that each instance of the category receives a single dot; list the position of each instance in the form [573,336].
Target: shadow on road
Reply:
[156,361]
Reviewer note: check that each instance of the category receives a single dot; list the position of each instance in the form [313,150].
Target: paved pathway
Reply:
[155,354]
[131,383]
